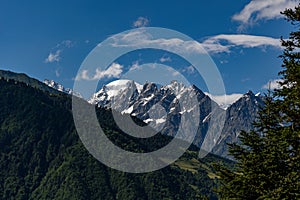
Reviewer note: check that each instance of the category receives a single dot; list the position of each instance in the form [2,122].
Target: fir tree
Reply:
[268,159]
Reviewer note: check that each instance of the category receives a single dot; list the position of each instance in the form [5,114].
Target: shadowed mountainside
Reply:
[43,158]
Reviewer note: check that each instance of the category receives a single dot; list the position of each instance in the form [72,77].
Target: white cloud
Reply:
[165,59]
[142,39]
[113,71]
[263,10]
[190,69]
[223,42]
[175,73]
[224,100]
[141,22]
[55,54]
[213,46]
[83,75]
[135,66]
[53,57]
[216,44]
[272,84]
[172,71]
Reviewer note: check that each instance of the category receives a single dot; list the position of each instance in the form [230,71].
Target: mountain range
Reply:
[42,157]
[156,105]
[159,107]
[61,88]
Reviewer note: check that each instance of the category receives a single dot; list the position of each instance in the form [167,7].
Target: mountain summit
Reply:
[61,88]
[158,106]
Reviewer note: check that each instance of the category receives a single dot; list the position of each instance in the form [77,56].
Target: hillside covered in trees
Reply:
[41,156]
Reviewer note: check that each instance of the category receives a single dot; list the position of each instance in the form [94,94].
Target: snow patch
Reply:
[206,118]
[128,110]
[224,101]
[160,121]
[148,120]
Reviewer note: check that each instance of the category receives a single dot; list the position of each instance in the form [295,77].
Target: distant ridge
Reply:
[23,78]
[61,88]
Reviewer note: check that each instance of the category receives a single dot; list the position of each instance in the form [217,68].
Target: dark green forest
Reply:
[42,157]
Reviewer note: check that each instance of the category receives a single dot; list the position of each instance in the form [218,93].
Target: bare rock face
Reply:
[159,106]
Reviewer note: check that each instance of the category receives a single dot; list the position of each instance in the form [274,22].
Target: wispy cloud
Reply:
[224,43]
[142,39]
[272,84]
[175,74]
[66,43]
[135,66]
[212,45]
[165,59]
[83,75]
[224,61]
[245,79]
[262,10]
[215,44]
[141,22]
[189,69]
[55,54]
[57,72]
[53,57]
[113,71]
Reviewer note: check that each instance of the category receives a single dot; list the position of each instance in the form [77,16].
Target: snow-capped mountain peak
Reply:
[57,86]
[116,86]
[61,88]
[176,87]
[119,90]
[160,107]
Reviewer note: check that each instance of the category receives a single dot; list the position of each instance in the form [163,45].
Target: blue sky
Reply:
[50,39]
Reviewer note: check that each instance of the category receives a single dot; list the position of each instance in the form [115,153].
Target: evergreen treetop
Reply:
[268,159]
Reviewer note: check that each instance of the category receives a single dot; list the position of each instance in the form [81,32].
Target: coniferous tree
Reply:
[268,158]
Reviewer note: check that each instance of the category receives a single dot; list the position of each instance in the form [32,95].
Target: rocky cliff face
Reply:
[239,116]
[169,109]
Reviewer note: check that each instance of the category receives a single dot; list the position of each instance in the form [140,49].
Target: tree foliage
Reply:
[268,159]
